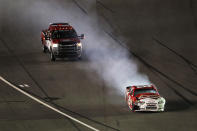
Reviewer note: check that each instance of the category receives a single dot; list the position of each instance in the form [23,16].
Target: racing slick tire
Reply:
[52,56]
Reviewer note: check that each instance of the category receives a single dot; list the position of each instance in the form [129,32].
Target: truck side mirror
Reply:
[47,35]
[47,38]
[81,36]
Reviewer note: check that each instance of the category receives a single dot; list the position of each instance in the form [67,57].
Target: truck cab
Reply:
[61,40]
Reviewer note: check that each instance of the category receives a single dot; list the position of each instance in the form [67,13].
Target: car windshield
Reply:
[141,91]
[60,34]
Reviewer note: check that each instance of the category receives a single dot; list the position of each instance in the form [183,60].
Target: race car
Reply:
[144,98]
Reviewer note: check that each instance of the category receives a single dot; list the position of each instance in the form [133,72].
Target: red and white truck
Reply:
[61,40]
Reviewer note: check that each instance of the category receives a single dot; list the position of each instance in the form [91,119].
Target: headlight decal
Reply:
[139,102]
[161,100]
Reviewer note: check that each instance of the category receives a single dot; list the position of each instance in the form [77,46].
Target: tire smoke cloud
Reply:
[111,61]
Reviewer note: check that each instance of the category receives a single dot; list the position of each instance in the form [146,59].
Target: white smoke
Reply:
[111,61]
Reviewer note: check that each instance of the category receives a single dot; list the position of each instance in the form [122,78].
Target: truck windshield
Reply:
[141,91]
[60,34]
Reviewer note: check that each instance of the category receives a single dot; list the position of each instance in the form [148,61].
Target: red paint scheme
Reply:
[130,94]
[61,40]
[62,26]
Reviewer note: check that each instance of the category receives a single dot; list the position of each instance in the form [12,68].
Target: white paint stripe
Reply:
[26,85]
[21,85]
[48,106]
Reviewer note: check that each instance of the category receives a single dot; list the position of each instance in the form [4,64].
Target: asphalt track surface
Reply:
[160,35]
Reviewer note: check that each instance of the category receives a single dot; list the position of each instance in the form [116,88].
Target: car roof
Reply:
[59,24]
[144,86]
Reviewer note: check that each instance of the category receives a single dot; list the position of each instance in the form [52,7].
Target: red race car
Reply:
[144,98]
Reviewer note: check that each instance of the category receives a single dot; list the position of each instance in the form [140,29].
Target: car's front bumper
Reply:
[150,107]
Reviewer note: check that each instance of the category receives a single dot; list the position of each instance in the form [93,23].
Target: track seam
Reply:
[80,7]
[175,91]
[150,66]
[146,63]
[104,6]
[65,109]
[193,12]
[97,122]
[22,65]
[46,104]
[28,73]
[190,64]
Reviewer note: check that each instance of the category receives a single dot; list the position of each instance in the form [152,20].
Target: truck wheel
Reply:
[44,49]
[79,58]
[52,56]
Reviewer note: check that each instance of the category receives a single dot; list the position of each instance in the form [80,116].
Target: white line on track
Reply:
[47,105]
[23,85]
[26,85]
